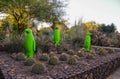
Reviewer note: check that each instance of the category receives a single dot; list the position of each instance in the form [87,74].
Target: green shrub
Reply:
[44,57]
[70,52]
[29,62]
[53,60]
[38,68]
[63,57]
[20,56]
[72,60]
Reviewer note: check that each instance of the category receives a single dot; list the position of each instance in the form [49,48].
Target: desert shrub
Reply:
[53,60]
[14,43]
[38,68]
[63,57]
[20,56]
[44,57]
[29,62]
[72,60]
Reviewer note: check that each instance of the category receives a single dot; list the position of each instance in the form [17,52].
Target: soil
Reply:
[13,69]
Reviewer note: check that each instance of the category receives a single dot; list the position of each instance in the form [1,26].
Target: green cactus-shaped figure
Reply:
[29,43]
[56,36]
[87,42]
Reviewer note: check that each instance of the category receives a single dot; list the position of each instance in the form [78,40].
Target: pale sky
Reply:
[101,11]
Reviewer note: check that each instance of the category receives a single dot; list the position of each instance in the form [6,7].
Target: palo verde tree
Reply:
[23,11]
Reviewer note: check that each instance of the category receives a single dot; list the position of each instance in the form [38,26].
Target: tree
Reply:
[22,11]
[107,28]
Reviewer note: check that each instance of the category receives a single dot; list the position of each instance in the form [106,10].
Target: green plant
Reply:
[53,60]
[80,53]
[90,56]
[72,60]
[111,51]
[29,62]
[44,57]
[102,51]
[38,68]
[20,56]
[63,57]
[70,52]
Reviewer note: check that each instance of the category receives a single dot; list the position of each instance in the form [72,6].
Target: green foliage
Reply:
[20,56]
[102,51]
[63,57]
[72,60]
[23,11]
[29,62]
[70,52]
[38,68]
[53,60]
[44,57]
[107,28]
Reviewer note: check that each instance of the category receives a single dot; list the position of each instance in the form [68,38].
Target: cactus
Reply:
[102,51]
[63,57]
[38,68]
[90,56]
[80,54]
[111,51]
[53,60]
[52,54]
[72,60]
[70,52]
[20,56]
[44,57]
[29,62]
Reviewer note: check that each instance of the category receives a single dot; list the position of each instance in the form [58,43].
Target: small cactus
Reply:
[52,54]
[70,52]
[44,57]
[111,51]
[53,60]
[63,57]
[72,60]
[102,51]
[20,56]
[38,68]
[80,54]
[90,56]
[29,62]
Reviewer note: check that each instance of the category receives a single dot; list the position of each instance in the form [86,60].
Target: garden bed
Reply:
[98,68]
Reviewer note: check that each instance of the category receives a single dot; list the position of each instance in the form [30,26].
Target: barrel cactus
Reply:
[44,57]
[53,60]
[63,57]
[20,56]
[72,60]
[38,68]
[29,62]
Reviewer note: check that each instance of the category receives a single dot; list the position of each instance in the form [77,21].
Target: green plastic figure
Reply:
[87,42]
[29,43]
[56,36]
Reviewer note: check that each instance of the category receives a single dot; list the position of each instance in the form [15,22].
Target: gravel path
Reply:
[115,75]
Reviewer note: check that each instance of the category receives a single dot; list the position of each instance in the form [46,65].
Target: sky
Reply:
[100,11]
